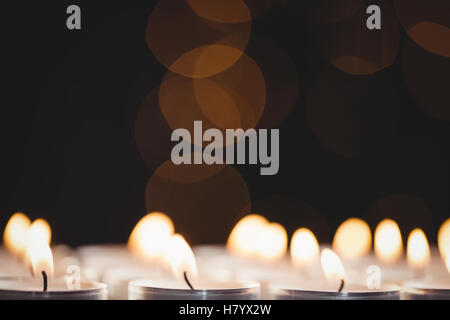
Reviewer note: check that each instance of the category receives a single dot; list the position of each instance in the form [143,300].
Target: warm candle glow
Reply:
[388,241]
[244,239]
[41,257]
[444,239]
[39,230]
[150,235]
[15,234]
[304,248]
[353,239]
[418,250]
[273,241]
[332,266]
[254,237]
[179,256]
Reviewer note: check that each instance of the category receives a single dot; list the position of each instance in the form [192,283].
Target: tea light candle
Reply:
[427,289]
[431,287]
[335,288]
[315,290]
[145,289]
[178,255]
[43,286]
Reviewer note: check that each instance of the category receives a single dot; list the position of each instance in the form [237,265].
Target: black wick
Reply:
[44,276]
[187,281]
[341,286]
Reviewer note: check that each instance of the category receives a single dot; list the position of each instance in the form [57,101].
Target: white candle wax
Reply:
[168,289]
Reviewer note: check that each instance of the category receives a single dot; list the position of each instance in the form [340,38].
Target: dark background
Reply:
[69,105]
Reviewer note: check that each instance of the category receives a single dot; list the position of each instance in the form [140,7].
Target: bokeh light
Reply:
[418,250]
[15,234]
[388,242]
[232,99]
[192,46]
[353,48]
[427,23]
[407,210]
[444,238]
[304,248]
[353,239]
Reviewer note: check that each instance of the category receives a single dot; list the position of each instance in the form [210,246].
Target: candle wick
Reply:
[187,281]
[44,277]
[341,287]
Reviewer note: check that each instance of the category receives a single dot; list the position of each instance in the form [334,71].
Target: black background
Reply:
[69,105]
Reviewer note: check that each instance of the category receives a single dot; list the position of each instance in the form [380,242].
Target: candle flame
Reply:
[243,240]
[444,239]
[332,266]
[254,237]
[149,236]
[304,248]
[38,231]
[388,241]
[179,256]
[41,257]
[15,234]
[353,239]
[418,250]
[273,241]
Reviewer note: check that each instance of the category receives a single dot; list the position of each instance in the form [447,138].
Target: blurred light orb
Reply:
[15,234]
[231,99]
[427,24]
[353,239]
[418,250]
[273,242]
[198,39]
[225,11]
[244,237]
[388,241]
[357,50]
[444,239]
[254,237]
[304,248]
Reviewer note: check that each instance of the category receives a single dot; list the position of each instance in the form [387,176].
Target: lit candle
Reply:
[178,255]
[336,286]
[43,286]
[434,286]
[14,239]
[261,247]
[353,240]
[304,250]
[143,250]
[388,247]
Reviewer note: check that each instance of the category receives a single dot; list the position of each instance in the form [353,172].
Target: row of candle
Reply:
[157,263]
